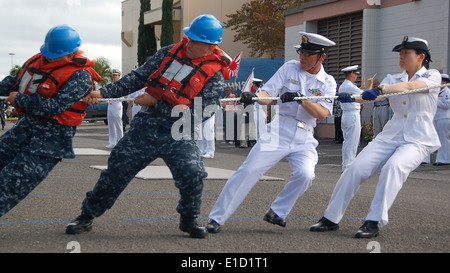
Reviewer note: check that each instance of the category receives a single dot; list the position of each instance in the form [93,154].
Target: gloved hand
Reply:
[371,94]
[247,98]
[344,97]
[289,96]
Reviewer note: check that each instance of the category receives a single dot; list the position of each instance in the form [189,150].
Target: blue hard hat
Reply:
[60,41]
[205,28]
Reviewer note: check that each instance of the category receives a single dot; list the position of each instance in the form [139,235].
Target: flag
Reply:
[234,65]
[248,87]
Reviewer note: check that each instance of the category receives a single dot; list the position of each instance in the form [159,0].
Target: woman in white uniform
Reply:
[399,149]
[351,117]
[289,135]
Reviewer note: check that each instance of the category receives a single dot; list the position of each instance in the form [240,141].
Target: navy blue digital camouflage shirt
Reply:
[44,136]
[162,111]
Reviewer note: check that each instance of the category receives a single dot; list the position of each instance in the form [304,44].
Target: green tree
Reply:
[167,23]
[14,70]
[146,36]
[260,25]
[103,68]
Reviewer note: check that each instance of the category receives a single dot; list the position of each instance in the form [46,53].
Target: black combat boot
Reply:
[82,223]
[190,225]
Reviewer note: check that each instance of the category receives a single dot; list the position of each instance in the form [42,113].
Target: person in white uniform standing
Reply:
[289,135]
[258,124]
[442,124]
[404,142]
[351,117]
[207,140]
[114,117]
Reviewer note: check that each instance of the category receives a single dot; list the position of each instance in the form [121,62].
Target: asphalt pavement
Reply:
[144,219]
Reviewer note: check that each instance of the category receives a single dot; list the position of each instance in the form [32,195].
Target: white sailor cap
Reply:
[315,42]
[257,82]
[414,43]
[116,71]
[353,68]
[445,77]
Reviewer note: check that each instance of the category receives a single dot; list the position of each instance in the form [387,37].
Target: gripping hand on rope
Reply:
[93,97]
[247,98]
[373,93]
[145,100]
[12,98]
[290,96]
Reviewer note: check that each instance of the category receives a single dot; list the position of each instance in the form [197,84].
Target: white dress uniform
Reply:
[115,124]
[260,119]
[206,141]
[399,149]
[289,135]
[350,122]
[442,124]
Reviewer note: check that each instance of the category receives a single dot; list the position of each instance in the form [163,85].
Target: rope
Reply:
[296,98]
[335,97]
[101,100]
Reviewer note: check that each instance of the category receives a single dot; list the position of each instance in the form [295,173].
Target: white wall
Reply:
[292,38]
[385,28]
[426,19]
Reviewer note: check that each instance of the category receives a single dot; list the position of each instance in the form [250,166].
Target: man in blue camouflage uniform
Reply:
[150,137]
[37,142]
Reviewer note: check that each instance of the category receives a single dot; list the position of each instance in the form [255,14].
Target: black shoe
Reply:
[368,230]
[273,218]
[82,223]
[251,143]
[190,225]
[213,226]
[440,164]
[324,225]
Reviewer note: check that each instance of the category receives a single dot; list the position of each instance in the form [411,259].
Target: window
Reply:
[346,32]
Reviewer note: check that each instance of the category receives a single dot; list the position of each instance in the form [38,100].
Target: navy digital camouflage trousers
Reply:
[21,169]
[147,140]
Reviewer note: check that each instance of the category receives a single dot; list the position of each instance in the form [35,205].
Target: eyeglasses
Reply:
[306,53]
[116,74]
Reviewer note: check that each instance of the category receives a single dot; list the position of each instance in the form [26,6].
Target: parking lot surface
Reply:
[144,219]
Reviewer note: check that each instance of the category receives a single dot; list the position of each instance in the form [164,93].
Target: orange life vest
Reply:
[179,79]
[38,75]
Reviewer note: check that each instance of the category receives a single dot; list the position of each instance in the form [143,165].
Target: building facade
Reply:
[184,11]
[365,32]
